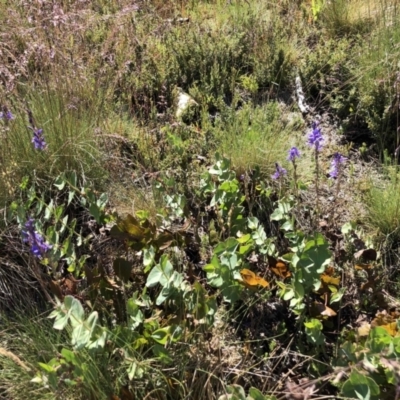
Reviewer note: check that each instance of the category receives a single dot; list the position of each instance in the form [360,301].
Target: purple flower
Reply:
[293,154]
[336,163]
[38,139]
[29,235]
[279,172]
[7,115]
[315,138]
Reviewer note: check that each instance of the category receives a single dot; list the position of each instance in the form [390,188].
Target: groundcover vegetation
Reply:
[199,199]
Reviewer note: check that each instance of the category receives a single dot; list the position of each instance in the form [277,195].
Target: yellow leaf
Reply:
[251,280]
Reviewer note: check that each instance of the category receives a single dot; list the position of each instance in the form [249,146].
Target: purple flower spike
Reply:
[279,172]
[337,161]
[293,154]
[315,138]
[38,140]
[29,235]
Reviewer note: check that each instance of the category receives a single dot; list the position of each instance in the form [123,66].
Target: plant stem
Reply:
[317,184]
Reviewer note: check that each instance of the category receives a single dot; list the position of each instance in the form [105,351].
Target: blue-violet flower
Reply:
[38,246]
[38,139]
[336,162]
[7,115]
[279,172]
[293,154]
[315,138]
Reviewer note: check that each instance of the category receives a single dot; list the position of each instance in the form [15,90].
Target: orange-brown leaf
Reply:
[330,280]
[251,280]
[279,268]
[363,267]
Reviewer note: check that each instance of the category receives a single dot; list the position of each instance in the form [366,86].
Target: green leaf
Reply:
[252,223]
[64,223]
[83,330]
[288,295]
[287,226]
[162,354]
[148,258]
[244,239]
[360,386]
[71,195]
[102,201]
[245,249]
[229,245]
[135,371]
[277,215]
[75,310]
[122,269]
[230,261]
[46,367]
[161,335]
[231,293]
[299,289]
[160,273]
[95,212]
[69,356]
[60,182]
[164,294]
[256,394]
[59,211]
[237,391]
[71,178]
[48,210]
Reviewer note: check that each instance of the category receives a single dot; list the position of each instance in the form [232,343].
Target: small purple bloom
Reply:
[336,163]
[279,172]
[38,139]
[29,235]
[315,138]
[7,115]
[293,154]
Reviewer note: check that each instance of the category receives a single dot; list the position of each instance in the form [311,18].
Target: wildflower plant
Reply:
[37,139]
[292,155]
[336,165]
[315,140]
[280,172]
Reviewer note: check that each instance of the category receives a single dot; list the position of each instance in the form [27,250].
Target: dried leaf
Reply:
[299,392]
[251,280]
[366,254]
[385,321]
[363,267]
[279,268]
[69,286]
[330,280]
[363,330]
[368,285]
[391,328]
[56,289]
[318,309]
